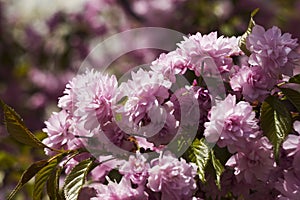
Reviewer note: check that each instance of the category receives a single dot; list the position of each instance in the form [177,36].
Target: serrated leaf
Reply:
[17,129]
[219,168]
[75,180]
[199,154]
[53,184]
[295,79]
[293,96]
[276,122]
[242,42]
[36,167]
[42,177]
[27,175]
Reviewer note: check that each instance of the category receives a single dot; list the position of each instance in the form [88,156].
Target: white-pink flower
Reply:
[197,47]
[170,64]
[253,82]
[292,142]
[143,92]
[58,129]
[135,169]
[255,162]
[94,98]
[119,191]
[289,186]
[292,146]
[172,177]
[272,50]
[231,124]
[89,97]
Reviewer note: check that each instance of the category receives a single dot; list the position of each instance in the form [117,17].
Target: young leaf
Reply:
[276,122]
[123,100]
[53,184]
[199,154]
[17,129]
[75,180]
[219,168]
[27,175]
[41,178]
[293,96]
[242,42]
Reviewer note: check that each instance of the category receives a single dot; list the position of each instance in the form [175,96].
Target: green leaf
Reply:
[123,100]
[53,184]
[242,42]
[219,168]
[199,154]
[39,169]
[17,129]
[118,117]
[27,175]
[222,154]
[293,96]
[276,122]
[115,175]
[295,79]
[75,180]
[41,178]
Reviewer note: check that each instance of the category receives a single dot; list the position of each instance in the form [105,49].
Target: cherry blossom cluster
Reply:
[147,112]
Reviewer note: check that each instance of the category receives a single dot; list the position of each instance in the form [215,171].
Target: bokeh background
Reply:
[43,42]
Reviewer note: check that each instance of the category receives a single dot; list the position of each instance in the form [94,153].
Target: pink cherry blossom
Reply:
[198,46]
[272,50]
[172,177]
[253,163]
[231,124]
[253,83]
[119,191]
[170,64]
[289,186]
[136,169]
[145,90]
[292,146]
[58,129]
